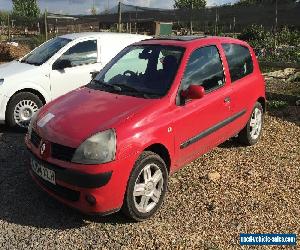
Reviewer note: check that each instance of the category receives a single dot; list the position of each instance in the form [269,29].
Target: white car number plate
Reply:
[41,171]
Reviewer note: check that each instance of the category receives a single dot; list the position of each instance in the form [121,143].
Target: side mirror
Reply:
[193,92]
[61,64]
[94,74]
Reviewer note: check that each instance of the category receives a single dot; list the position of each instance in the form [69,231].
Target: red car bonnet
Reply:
[84,112]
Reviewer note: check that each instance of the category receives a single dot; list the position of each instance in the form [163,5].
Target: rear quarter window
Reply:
[239,60]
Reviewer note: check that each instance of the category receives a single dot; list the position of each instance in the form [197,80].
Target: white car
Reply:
[53,69]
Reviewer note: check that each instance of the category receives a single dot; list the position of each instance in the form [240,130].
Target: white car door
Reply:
[79,61]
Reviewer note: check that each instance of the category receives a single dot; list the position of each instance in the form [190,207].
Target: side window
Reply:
[239,60]
[204,68]
[81,53]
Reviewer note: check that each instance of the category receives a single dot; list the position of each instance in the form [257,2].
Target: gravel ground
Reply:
[258,192]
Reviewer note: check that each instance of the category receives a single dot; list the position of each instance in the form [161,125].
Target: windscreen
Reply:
[141,70]
[45,51]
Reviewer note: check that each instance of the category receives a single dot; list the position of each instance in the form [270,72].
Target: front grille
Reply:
[35,139]
[62,153]
[59,152]
[65,193]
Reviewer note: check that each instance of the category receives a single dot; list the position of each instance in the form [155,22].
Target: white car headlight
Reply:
[100,148]
[32,121]
[1,81]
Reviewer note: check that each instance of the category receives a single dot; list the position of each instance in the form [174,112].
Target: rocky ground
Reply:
[283,94]
[228,191]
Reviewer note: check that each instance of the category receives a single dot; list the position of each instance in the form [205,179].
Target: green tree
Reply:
[3,16]
[287,42]
[26,8]
[189,4]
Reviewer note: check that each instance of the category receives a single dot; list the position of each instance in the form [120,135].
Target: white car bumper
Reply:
[3,103]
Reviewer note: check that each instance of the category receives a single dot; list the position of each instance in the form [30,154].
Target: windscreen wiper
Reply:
[121,88]
[128,88]
[31,63]
[136,91]
[116,88]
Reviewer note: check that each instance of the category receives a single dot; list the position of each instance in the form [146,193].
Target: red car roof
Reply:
[191,41]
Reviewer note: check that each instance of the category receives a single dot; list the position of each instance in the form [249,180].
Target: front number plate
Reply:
[41,171]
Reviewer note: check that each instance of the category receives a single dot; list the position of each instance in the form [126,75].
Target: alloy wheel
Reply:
[148,188]
[256,123]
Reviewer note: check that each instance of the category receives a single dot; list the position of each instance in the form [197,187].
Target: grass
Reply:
[275,104]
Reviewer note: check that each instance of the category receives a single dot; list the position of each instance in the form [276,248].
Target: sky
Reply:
[84,6]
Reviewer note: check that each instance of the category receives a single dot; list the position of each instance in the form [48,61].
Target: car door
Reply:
[201,124]
[243,82]
[82,59]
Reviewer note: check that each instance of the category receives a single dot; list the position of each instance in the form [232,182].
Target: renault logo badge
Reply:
[43,148]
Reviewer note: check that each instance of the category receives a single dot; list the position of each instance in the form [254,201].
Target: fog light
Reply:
[90,199]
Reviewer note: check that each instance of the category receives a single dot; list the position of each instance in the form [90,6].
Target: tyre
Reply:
[251,133]
[21,108]
[146,187]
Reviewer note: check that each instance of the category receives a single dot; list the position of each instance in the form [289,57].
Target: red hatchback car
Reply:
[158,105]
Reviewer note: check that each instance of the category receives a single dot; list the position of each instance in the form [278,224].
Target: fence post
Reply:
[46,26]
[8,27]
[216,21]
[276,25]
[191,21]
[136,16]
[39,28]
[234,20]
[120,17]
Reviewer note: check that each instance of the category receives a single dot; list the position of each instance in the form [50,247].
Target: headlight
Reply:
[1,81]
[100,148]
[32,121]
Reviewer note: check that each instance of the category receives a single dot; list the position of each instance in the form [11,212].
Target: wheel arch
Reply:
[26,90]
[32,91]
[262,101]
[162,151]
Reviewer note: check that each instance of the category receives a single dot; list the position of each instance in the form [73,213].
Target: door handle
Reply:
[227,100]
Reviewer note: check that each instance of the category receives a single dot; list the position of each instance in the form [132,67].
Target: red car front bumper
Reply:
[95,189]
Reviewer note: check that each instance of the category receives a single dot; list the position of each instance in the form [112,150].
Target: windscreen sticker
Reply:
[41,123]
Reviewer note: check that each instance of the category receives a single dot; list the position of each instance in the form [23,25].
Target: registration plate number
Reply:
[43,172]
